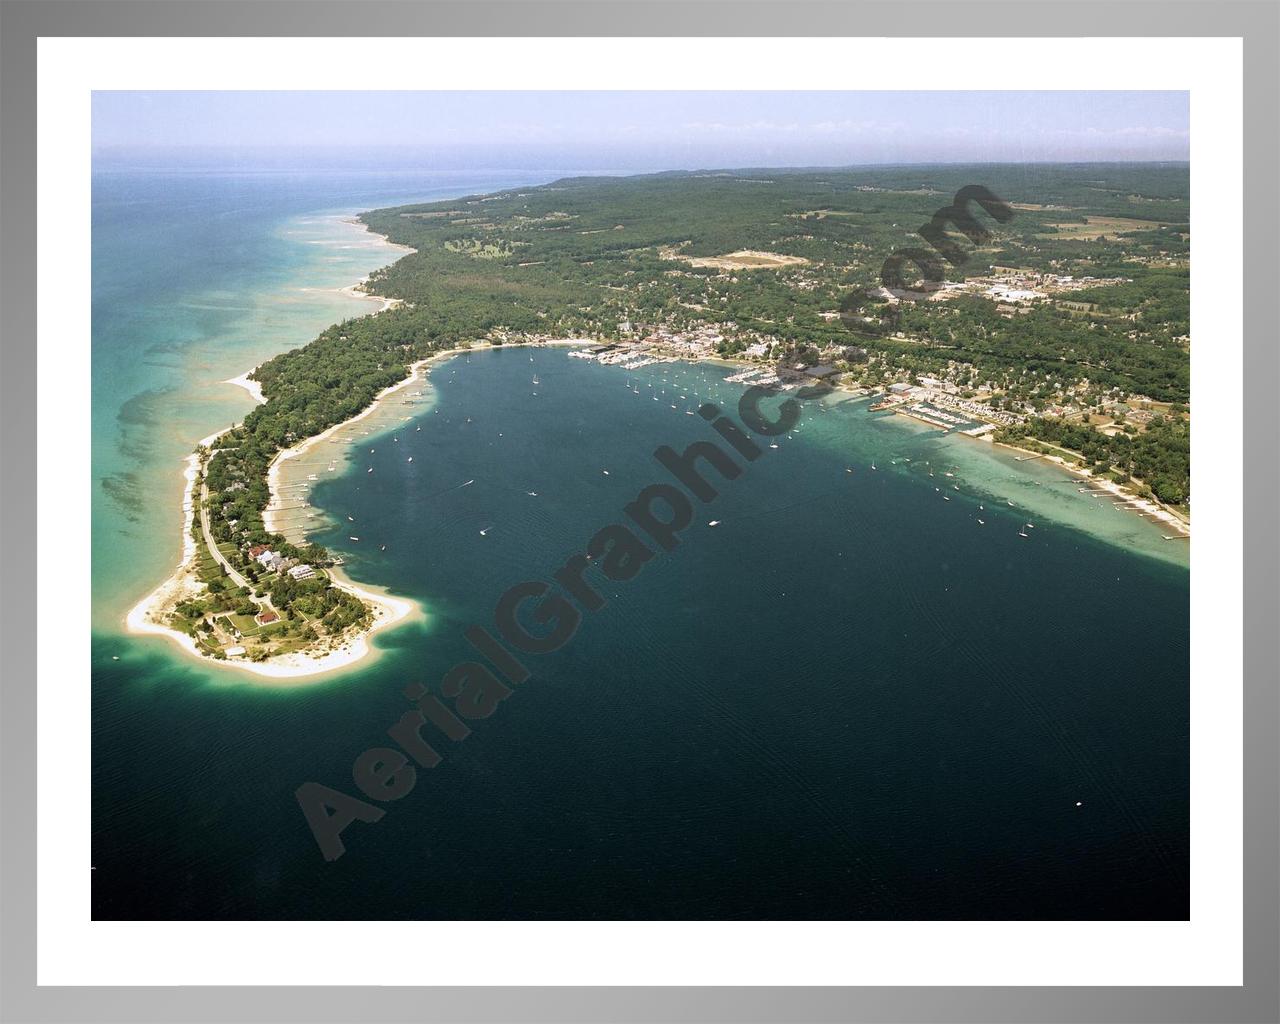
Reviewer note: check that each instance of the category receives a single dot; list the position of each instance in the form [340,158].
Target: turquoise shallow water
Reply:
[196,279]
[848,699]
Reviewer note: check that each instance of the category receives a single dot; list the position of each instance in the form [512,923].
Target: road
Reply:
[236,577]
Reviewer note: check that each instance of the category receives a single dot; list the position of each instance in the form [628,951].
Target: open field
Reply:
[745,259]
[1100,227]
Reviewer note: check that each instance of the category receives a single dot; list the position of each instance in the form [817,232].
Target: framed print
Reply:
[692,509]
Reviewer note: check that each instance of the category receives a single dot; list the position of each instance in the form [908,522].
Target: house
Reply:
[302,572]
[270,561]
[257,550]
[266,618]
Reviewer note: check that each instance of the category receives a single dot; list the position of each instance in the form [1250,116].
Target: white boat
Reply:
[714,522]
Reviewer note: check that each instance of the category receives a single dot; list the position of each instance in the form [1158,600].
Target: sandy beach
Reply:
[146,616]
[251,386]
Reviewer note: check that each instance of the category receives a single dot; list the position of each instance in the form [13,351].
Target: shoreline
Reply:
[1145,507]
[182,583]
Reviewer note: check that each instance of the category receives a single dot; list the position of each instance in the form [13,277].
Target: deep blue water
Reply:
[847,700]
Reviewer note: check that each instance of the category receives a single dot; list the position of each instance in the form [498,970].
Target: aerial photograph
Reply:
[641,505]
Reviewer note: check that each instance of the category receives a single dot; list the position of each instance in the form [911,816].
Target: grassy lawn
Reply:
[230,621]
[244,623]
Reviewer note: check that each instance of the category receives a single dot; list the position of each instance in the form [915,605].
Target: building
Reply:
[266,618]
[302,572]
[257,550]
[269,560]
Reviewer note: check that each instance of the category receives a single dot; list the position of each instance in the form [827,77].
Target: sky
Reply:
[634,130]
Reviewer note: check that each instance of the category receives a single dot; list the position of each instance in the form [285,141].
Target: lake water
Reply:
[848,699]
